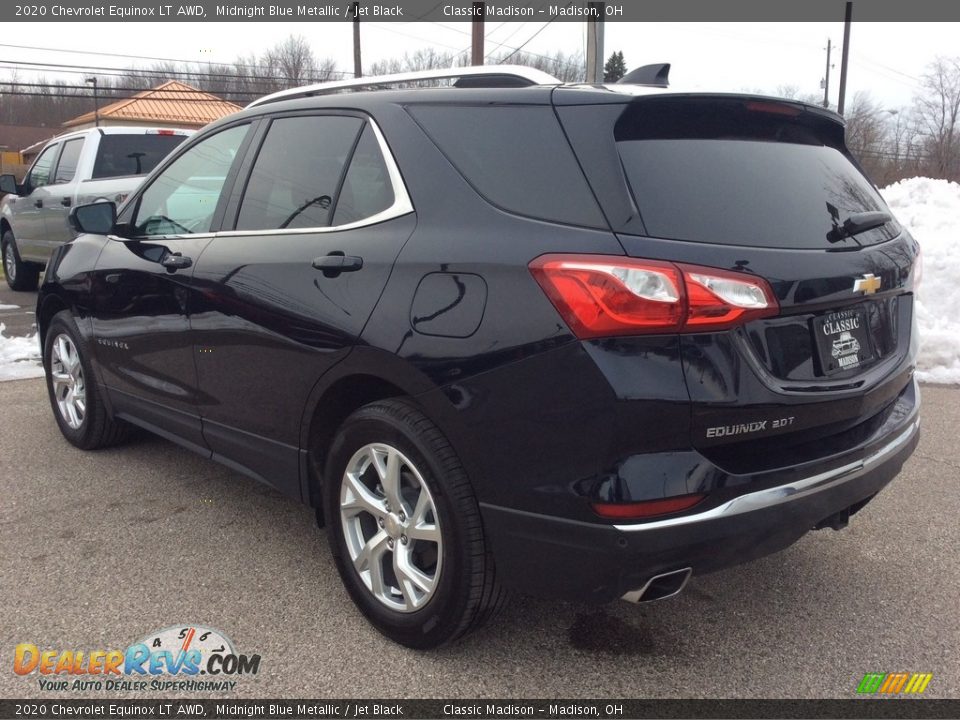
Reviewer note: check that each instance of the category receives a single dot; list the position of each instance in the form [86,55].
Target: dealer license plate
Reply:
[842,340]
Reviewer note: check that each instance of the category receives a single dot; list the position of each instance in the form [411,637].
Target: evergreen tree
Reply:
[615,68]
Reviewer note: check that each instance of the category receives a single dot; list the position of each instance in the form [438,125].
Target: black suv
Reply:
[577,341]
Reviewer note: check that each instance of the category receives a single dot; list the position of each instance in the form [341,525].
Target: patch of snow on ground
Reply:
[9,307]
[931,211]
[19,356]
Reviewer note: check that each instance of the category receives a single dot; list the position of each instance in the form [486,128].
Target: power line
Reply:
[72,96]
[542,28]
[62,86]
[149,57]
[122,72]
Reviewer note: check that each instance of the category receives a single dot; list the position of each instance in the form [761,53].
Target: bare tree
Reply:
[564,67]
[937,117]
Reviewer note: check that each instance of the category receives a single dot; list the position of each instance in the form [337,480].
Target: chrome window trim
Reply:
[401,206]
[782,493]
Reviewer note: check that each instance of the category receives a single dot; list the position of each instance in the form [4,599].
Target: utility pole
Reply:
[826,81]
[848,16]
[476,46]
[96,101]
[595,42]
[357,67]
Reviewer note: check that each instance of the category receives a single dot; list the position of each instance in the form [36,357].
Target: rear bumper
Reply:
[593,562]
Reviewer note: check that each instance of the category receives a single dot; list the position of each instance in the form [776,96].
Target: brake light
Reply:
[599,296]
[647,509]
[772,108]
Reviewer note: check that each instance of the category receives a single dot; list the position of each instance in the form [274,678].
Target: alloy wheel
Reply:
[391,527]
[69,388]
[10,263]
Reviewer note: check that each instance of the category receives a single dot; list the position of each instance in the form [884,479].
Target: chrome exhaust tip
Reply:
[660,587]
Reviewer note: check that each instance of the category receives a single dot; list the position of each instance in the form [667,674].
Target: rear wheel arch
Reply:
[338,401]
[51,305]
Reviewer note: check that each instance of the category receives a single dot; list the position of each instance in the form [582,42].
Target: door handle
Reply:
[336,263]
[65,202]
[175,261]
[38,203]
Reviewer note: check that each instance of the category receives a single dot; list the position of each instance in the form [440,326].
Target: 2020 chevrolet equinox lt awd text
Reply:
[508,334]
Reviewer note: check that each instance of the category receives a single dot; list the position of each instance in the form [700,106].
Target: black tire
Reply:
[467,593]
[22,276]
[96,428]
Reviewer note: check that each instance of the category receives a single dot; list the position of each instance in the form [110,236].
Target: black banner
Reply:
[478,709]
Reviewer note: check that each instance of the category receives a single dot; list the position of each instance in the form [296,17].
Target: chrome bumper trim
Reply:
[781,493]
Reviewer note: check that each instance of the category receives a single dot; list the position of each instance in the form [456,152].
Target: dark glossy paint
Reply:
[267,325]
[253,355]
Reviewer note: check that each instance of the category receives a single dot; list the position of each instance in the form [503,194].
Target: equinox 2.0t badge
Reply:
[868,284]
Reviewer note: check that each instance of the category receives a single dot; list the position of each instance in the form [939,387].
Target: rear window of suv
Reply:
[121,155]
[741,172]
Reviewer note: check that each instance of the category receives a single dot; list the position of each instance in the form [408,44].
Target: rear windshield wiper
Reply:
[857,223]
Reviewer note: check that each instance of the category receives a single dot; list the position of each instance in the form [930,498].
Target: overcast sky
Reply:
[886,58]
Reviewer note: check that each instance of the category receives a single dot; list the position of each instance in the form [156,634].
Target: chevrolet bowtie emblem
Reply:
[868,284]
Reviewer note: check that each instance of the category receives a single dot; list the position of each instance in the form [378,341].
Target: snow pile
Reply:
[931,211]
[19,356]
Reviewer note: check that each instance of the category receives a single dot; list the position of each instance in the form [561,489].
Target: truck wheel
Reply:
[20,275]
[404,527]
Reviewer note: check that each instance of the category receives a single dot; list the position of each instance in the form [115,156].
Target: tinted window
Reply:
[40,172]
[297,173]
[366,188]
[515,156]
[120,155]
[67,167]
[182,198]
[722,172]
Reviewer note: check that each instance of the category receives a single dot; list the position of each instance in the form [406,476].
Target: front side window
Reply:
[69,159]
[181,200]
[40,173]
[296,178]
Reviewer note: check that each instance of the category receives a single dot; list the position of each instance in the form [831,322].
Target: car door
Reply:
[61,191]
[28,218]
[316,224]
[142,294]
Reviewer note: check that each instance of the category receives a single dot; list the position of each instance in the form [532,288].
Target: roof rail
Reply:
[515,75]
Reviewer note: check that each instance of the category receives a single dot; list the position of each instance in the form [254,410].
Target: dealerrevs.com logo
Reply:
[186,657]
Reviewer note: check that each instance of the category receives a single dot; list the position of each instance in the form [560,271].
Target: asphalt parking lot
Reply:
[101,548]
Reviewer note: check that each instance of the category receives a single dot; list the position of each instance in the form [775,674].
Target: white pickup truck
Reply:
[80,167]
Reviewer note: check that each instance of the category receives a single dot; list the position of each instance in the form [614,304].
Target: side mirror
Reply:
[98,218]
[8,184]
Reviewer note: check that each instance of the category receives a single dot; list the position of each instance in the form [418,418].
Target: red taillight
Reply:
[599,296]
[648,509]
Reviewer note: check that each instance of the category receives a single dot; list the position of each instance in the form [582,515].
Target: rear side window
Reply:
[366,187]
[121,155]
[738,172]
[69,158]
[298,171]
[516,156]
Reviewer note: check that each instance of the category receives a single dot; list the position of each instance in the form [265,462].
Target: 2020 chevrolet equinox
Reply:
[508,334]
